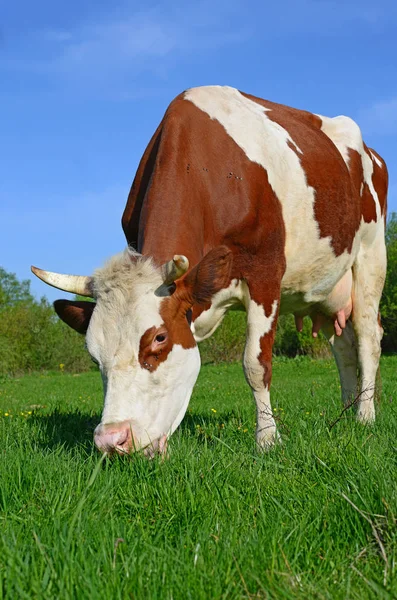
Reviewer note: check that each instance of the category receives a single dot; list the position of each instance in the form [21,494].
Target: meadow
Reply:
[314,518]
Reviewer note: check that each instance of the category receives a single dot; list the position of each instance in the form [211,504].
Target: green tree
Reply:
[83,298]
[13,291]
[388,305]
[32,338]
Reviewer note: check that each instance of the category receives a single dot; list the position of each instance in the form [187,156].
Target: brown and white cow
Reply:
[277,210]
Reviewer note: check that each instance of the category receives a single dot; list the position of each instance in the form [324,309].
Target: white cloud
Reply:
[380,118]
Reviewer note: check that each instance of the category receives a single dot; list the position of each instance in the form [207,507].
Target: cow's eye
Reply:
[160,337]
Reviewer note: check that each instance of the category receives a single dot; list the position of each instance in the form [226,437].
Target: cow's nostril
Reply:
[122,438]
[108,441]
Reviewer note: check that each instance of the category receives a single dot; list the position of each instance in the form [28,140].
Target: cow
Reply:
[262,206]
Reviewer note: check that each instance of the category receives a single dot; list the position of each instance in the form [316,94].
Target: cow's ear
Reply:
[75,313]
[209,276]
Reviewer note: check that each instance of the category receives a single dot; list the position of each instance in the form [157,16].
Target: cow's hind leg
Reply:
[368,279]
[262,312]
[344,348]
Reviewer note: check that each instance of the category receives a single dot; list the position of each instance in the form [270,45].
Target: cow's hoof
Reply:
[366,413]
[267,442]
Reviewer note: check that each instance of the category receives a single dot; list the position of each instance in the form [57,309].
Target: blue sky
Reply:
[84,84]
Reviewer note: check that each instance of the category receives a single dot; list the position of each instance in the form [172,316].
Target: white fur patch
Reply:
[209,320]
[266,431]
[376,159]
[154,403]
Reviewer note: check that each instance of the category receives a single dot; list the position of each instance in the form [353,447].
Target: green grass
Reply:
[216,520]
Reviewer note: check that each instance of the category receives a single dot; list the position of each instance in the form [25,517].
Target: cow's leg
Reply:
[262,313]
[344,349]
[368,279]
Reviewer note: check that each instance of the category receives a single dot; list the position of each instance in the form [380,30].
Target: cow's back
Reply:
[225,167]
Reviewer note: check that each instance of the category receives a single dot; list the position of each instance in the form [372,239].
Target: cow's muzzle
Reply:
[119,438]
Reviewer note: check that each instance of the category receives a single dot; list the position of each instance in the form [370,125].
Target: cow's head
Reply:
[138,332]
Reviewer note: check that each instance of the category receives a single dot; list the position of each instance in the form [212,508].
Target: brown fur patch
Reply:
[267,375]
[149,359]
[209,276]
[173,312]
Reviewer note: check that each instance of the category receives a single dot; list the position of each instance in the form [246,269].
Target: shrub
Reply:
[32,338]
[388,305]
[227,343]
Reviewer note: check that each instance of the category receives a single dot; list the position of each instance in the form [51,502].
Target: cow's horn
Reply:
[76,284]
[174,269]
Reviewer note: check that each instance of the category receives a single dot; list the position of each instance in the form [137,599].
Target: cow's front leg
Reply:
[261,326]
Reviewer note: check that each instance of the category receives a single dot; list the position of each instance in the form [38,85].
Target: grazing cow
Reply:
[277,210]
